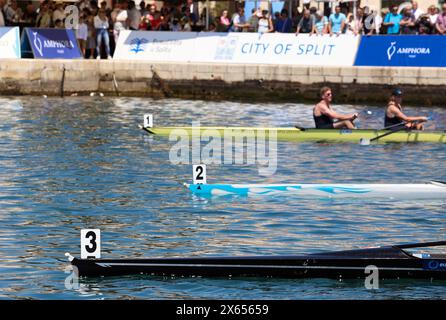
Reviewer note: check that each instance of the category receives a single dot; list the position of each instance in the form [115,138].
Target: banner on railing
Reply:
[50,44]
[402,51]
[256,48]
[9,43]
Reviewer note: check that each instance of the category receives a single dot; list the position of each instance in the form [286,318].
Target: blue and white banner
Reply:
[10,43]
[50,43]
[402,51]
[256,48]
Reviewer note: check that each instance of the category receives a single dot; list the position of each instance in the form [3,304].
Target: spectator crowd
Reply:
[98,26]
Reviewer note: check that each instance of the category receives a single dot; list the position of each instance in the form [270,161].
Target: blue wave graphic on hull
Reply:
[337,190]
[265,190]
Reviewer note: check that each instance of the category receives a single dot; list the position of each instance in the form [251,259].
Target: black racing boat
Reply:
[392,262]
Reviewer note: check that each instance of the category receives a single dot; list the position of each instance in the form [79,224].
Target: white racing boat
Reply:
[431,191]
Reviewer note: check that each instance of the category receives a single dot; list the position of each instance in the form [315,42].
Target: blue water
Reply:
[75,163]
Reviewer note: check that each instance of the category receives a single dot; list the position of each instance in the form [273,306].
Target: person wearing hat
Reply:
[394,113]
[59,13]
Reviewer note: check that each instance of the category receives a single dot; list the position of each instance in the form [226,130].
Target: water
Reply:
[74,163]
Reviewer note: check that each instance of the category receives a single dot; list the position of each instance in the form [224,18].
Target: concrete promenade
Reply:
[248,82]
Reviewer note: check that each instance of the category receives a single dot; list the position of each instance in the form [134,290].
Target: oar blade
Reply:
[364,142]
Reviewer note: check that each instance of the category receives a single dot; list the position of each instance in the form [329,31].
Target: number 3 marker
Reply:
[90,243]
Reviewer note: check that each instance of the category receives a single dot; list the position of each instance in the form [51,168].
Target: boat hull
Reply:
[425,191]
[390,263]
[302,135]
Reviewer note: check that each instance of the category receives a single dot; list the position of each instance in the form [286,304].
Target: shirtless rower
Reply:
[394,113]
[324,116]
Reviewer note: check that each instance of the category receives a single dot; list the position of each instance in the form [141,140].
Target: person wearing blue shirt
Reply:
[392,21]
[337,21]
[283,24]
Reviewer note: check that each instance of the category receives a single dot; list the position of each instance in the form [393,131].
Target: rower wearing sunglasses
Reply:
[326,118]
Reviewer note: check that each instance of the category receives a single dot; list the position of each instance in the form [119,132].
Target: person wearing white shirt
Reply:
[417,12]
[13,14]
[59,13]
[120,19]
[101,25]
[433,15]
[82,34]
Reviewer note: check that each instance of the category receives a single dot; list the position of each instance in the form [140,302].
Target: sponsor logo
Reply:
[138,45]
[391,50]
[436,265]
[226,48]
[58,44]
[411,52]
[38,44]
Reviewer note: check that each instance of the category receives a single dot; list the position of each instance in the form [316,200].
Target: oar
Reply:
[366,142]
[421,245]
[394,125]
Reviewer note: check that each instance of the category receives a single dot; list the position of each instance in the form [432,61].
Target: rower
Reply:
[394,113]
[324,116]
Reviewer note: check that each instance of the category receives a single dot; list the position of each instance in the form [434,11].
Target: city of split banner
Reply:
[9,43]
[50,44]
[402,51]
[237,47]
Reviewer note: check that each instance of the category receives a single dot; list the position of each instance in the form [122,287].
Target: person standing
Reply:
[307,23]
[82,35]
[283,24]
[239,21]
[2,17]
[321,24]
[223,22]
[59,13]
[254,20]
[101,25]
[91,34]
[265,25]
[134,16]
[407,24]
[120,19]
[44,18]
[13,14]
[337,21]
[417,12]
[30,15]
[440,25]
[433,15]
[392,21]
